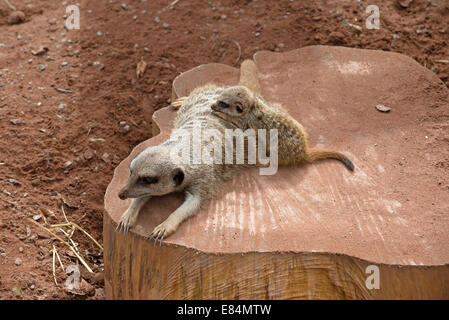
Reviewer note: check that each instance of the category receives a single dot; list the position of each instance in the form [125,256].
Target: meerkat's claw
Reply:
[127,220]
[158,235]
[160,241]
[178,102]
[162,231]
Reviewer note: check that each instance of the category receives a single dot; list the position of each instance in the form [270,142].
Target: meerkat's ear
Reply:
[178,176]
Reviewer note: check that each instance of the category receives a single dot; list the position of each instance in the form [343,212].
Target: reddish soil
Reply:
[48,155]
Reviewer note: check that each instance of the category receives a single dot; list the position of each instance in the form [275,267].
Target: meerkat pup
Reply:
[247,109]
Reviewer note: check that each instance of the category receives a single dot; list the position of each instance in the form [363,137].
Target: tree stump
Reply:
[314,231]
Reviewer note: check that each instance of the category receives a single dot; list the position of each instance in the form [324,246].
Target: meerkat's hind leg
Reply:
[190,207]
[129,217]
[178,102]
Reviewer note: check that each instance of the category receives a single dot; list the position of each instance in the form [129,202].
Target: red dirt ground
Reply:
[56,128]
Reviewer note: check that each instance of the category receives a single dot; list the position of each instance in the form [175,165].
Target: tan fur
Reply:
[248,110]
[248,76]
[200,181]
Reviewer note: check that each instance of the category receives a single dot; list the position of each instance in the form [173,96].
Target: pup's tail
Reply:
[248,76]
[317,154]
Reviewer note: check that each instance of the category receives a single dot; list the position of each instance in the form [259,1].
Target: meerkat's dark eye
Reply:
[223,105]
[178,177]
[148,180]
[239,109]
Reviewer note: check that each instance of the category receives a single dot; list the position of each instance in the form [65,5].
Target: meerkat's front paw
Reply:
[178,102]
[163,230]
[128,219]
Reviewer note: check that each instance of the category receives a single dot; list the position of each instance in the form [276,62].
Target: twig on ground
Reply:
[59,259]
[173,4]
[10,6]
[238,47]
[64,242]
[88,235]
[63,212]
[67,235]
[74,225]
[54,273]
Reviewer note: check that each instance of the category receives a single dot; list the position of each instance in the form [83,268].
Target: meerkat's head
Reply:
[233,103]
[152,173]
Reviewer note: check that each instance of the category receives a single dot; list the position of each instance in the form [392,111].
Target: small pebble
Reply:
[16,121]
[16,17]
[18,261]
[383,108]
[105,157]
[88,154]
[64,63]
[17,292]
[99,33]
[42,67]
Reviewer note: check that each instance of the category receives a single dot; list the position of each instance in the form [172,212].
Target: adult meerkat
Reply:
[153,172]
[246,109]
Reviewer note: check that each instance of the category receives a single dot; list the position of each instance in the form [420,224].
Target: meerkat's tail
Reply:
[317,154]
[248,76]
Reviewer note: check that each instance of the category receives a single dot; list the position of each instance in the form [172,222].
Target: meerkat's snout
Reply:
[219,106]
[233,102]
[153,173]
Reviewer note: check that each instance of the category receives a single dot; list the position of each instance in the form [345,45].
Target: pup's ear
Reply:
[178,176]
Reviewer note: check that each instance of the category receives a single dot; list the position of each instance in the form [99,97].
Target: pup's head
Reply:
[153,174]
[233,103]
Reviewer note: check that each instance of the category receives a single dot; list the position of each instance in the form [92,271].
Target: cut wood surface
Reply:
[308,231]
